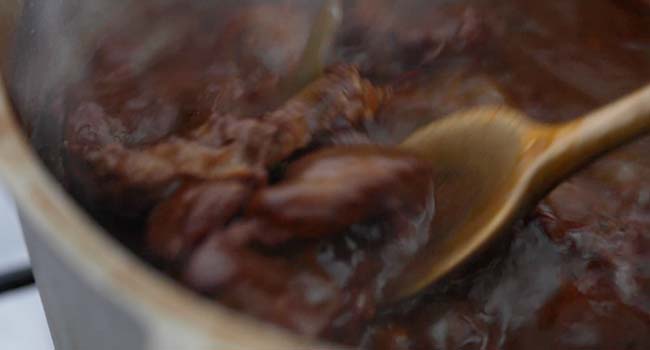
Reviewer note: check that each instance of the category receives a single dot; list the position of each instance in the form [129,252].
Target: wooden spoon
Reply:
[492,163]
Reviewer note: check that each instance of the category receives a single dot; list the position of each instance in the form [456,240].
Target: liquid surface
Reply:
[298,210]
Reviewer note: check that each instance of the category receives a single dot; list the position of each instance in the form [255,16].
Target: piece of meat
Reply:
[177,159]
[88,130]
[332,189]
[141,120]
[181,221]
[225,147]
[268,287]
[340,100]
[130,182]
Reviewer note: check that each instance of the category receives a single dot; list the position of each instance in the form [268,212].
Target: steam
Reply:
[52,46]
[54,42]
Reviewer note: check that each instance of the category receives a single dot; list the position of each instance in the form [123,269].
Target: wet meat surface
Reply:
[330,190]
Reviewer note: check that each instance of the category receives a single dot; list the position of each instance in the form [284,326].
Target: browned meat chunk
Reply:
[330,190]
[341,100]
[370,195]
[224,147]
[264,286]
[181,221]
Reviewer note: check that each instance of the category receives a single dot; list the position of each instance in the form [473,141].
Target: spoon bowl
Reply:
[492,163]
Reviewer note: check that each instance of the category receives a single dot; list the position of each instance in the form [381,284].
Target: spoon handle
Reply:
[578,141]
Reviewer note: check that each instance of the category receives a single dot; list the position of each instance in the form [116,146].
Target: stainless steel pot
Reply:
[95,293]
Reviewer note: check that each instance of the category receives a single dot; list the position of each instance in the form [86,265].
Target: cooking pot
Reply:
[96,294]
